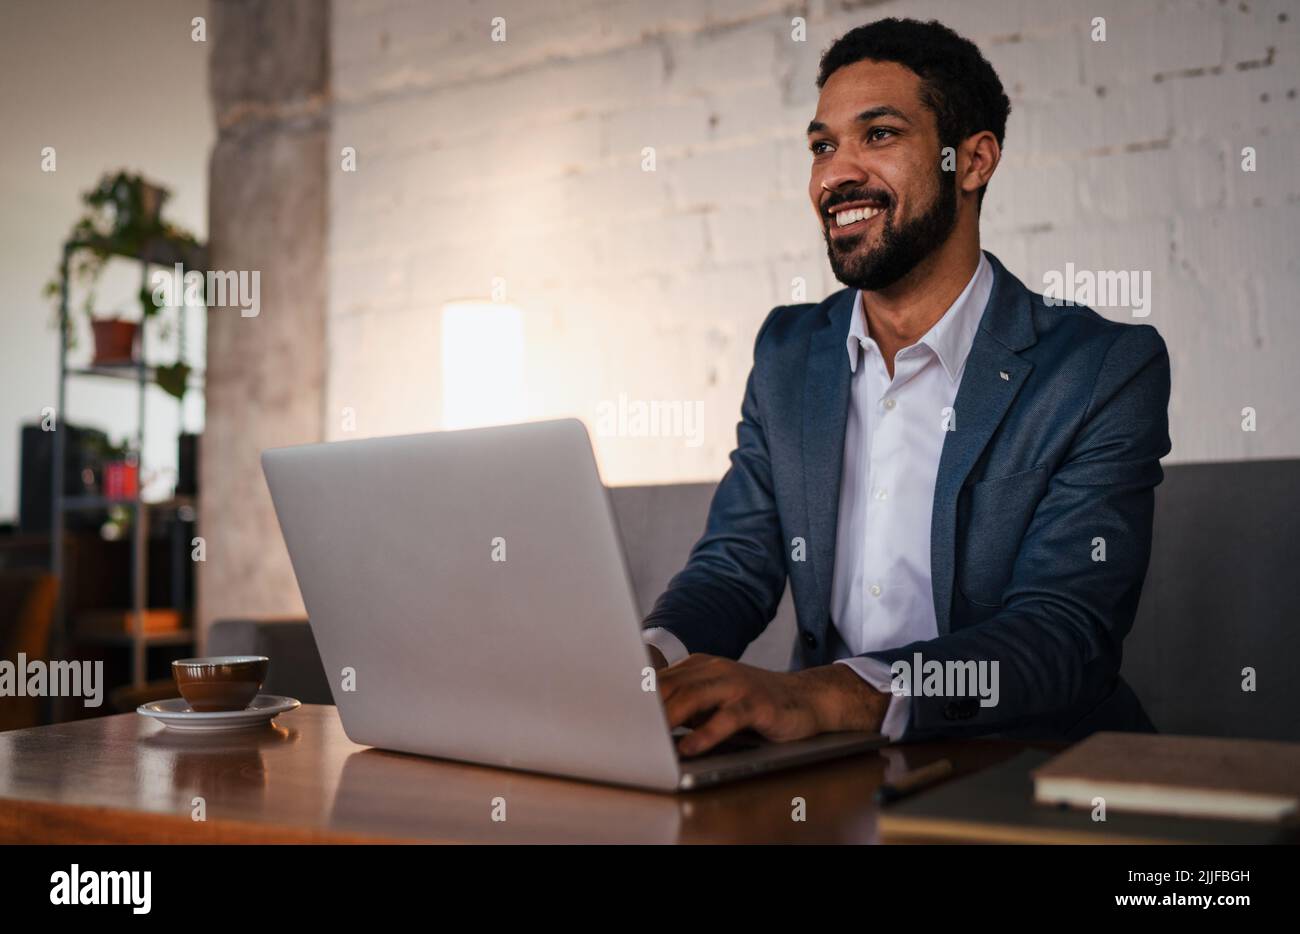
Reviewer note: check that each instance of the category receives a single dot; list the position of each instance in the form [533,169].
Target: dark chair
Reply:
[27,599]
[1220,596]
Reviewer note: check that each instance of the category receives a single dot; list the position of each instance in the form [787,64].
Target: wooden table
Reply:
[125,779]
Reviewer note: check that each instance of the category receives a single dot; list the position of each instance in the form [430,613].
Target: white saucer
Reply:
[175,714]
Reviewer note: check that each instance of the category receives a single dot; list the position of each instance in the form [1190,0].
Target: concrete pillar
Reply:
[268,210]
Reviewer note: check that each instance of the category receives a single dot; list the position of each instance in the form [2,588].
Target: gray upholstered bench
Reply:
[1221,595]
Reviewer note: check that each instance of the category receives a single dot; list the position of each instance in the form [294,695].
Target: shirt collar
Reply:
[950,337]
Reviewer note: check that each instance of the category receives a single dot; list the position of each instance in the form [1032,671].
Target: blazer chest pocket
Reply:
[992,517]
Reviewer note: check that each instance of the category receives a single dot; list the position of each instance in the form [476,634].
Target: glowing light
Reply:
[482,364]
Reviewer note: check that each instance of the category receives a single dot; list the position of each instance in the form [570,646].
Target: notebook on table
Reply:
[1192,776]
[997,805]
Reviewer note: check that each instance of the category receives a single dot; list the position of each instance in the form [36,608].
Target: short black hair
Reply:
[957,82]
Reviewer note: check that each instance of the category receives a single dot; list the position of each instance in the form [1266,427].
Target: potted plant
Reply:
[123,216]
[114,340]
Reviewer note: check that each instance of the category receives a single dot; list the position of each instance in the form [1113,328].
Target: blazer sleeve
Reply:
[733,581]
[1057,635]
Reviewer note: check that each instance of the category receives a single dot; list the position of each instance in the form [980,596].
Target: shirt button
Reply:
[890,403]
[875,590]
[881,493]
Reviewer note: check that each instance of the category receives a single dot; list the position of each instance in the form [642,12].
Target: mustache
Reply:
[876,196]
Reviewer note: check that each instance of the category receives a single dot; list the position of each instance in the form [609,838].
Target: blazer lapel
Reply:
[825,410]
[993,376]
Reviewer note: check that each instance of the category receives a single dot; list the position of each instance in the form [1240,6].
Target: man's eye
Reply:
[815,150]
[874,134]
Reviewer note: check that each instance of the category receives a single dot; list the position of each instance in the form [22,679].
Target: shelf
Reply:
[131,373]
[163,626]
[117,627]
[77,503]
[160,252]
[179,637]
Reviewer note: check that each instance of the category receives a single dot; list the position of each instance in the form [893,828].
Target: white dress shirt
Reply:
[880,590]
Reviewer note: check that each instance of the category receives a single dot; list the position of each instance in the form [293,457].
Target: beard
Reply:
[901,248]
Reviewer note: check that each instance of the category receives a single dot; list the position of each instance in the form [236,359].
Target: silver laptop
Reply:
[468,594]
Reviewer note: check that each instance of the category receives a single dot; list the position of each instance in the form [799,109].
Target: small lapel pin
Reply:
[1004,374]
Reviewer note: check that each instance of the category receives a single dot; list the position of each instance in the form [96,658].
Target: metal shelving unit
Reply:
[158,252]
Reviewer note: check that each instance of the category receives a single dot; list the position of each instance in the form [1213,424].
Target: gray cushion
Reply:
[659,524]
[1221,595]
[295,669]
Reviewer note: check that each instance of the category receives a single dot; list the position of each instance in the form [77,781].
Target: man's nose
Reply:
[841,174]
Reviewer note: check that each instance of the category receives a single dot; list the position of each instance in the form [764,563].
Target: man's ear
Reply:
[980,156]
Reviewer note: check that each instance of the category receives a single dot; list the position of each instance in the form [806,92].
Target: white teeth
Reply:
[844,218]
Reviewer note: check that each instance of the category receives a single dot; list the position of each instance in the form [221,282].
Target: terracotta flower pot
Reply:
[114,340]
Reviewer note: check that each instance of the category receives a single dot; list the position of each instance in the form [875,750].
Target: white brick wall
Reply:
[523,160]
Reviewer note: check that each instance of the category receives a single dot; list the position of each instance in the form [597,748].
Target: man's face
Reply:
[877,182]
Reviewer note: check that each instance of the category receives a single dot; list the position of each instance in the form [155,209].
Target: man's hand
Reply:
[725,696]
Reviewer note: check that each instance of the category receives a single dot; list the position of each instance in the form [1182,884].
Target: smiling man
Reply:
[954,476]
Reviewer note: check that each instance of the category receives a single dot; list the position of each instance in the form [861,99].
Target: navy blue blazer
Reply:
[1062,451]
